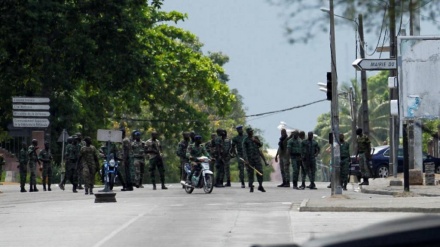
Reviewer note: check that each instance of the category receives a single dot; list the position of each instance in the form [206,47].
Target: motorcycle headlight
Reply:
[112,163]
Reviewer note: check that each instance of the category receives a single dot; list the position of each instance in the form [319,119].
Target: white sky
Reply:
[268,72]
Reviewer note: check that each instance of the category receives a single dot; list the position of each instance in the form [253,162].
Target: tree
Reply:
[301,25]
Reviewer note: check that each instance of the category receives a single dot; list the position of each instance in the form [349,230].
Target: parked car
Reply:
[379,162]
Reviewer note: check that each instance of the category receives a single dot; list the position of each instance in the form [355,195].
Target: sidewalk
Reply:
[379,196]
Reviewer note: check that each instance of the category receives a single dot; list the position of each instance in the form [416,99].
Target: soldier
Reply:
[219,162]
[252,158]
[154,152]
[138,158]
[345,161]
[33,160]
[364,149]
[210,148]
[80,144]
[310,149]
[181,153]
[194,151]
[227,145]
[284,159]
[303,168]
[88,157]
[71,155]
[237,151]
[45,156]
[126,160]
[294,150]
[23,163]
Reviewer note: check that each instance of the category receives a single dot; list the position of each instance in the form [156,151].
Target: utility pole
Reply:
[336,180]
[364,87]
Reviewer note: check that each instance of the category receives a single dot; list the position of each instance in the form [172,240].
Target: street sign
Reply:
[30,100]
[109,135]
[63,137]
[30,107]
[30,122]
[375,64]
[30,114]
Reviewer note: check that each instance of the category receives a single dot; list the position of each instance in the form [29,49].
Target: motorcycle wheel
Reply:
[209,183]
[189,189]
[111,180]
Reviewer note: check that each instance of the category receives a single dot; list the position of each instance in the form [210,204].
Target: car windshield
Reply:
[380,148]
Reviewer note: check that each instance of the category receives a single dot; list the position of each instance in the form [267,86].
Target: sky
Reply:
[267,71]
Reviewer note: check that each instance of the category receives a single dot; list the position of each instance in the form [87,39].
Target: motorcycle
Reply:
[110,172]
[202,177]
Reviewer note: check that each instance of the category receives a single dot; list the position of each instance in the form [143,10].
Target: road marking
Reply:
[112,234]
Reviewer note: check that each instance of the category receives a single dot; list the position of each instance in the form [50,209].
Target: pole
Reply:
[336,181]
[394,122]
[365,114]
[353,106]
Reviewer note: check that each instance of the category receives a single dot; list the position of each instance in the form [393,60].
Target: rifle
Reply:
[258,172]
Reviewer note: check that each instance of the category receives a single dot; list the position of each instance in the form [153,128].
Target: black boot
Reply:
[295,186]
[282,185]
[329,186]
[312,186]
[154,186]
[130,187]
[74,189]
[44,187]
[228,183]
[287,184]
[91,191]
[48,187]
[86,191]
[251,188]
[61,185]
[22,189]
[35,188]
[303,186]
[344,185]
[365,182]
[140,183]
[31,188]
[242,184]
[260,188]
[164,187]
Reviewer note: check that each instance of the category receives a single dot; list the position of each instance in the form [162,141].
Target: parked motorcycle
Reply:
[110,172]
[202,177]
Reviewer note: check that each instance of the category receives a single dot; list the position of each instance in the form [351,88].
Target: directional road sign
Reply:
[375,64]
[30,107]
[109,135]
[30,100]
[30,113]
[30,122]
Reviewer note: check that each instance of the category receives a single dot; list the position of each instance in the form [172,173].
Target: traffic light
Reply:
[329,86]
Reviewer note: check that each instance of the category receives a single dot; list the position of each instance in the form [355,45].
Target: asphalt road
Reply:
[227,217]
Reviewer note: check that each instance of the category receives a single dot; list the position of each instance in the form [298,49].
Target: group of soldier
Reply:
[301,153]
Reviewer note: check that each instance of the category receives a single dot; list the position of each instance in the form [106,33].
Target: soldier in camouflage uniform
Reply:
[210,148]
[23,159]
[181,153]
[127,161]
[364,149]
[310,149]
[2,163]
[219,162]
[81,143]
[138,157]
[71,155]
[227,145]
[345,161]
[252,158]
[88,157]
[302,167]
[294,150]
[237,151]
[33,160]
[284,159]
[194,151]
[46,158]
[154,152]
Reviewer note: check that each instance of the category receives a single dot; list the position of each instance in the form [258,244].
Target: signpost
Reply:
[30,112]
[375,64]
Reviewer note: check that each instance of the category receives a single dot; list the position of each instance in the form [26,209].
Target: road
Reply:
[227,217]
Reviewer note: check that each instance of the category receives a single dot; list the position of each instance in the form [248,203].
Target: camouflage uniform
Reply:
[310,149]
[181,153]
[2,163]
[88,156]
[363,143]
[219,162]
[210,148]
[138,160]
[33,160]
[251,154]
[71,169]
[237,144]
[127,161]
[294,150]
[154,149]
[345,162]
[284,161]
[227,145]
[23,163]
[46,157]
